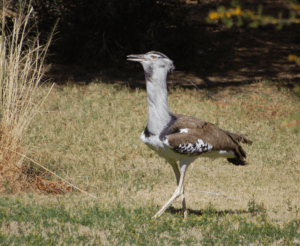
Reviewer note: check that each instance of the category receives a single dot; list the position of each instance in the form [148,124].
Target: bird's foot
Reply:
[177,193]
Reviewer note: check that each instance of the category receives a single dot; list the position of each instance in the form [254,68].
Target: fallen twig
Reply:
[48,170]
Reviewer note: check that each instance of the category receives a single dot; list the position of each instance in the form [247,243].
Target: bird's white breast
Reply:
[161,147]
[152,141]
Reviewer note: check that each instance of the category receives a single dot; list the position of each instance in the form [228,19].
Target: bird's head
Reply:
[153,61]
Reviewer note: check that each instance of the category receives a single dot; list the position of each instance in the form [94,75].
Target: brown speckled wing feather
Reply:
[218,138]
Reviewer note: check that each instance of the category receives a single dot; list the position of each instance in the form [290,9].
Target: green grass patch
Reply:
[112,224]
[89,135]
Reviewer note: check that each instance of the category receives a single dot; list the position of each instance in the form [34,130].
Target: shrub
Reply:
[21,69]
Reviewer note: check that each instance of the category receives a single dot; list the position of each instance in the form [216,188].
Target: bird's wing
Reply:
[189,134]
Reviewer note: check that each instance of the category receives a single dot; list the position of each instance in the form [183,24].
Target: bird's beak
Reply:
[137,58]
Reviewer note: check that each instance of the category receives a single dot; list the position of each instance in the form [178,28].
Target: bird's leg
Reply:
[184,209]
[175,169]
[179,191]
[177,174]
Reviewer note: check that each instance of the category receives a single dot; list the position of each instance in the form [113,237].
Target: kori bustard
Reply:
[180,138]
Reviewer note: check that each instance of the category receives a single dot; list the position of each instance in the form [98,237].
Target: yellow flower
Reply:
[238,11]
[248,12]
[294,58]
[213,16]
[256,17]
[297,8]
[228,15]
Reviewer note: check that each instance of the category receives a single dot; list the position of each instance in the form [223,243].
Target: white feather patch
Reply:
[185,130]
[223,151]
[219,154]
[166,142]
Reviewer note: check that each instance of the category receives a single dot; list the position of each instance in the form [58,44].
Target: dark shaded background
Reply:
[94,37]
[102,32]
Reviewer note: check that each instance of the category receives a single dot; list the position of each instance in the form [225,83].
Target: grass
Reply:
[35,223]
[90,136]
[21,70]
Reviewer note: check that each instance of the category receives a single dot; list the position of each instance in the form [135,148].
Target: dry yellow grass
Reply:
[21,70]
[90,136]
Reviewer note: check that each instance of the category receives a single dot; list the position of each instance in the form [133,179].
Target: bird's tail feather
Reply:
[239,138]
[239,151]
[237,161]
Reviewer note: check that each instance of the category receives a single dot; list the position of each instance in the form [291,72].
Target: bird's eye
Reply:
[153,57]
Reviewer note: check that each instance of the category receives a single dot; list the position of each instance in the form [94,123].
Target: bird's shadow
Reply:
[173,210]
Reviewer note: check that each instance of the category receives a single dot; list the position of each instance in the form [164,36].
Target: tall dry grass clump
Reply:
[21,70]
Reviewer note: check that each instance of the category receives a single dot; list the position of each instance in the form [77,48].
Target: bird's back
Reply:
[192,136]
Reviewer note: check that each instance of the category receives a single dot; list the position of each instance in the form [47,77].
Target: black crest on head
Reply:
[161,55]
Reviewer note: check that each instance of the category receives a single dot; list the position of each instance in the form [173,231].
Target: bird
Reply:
[178,138]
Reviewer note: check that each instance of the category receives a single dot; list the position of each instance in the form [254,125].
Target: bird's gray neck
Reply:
[159,114]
